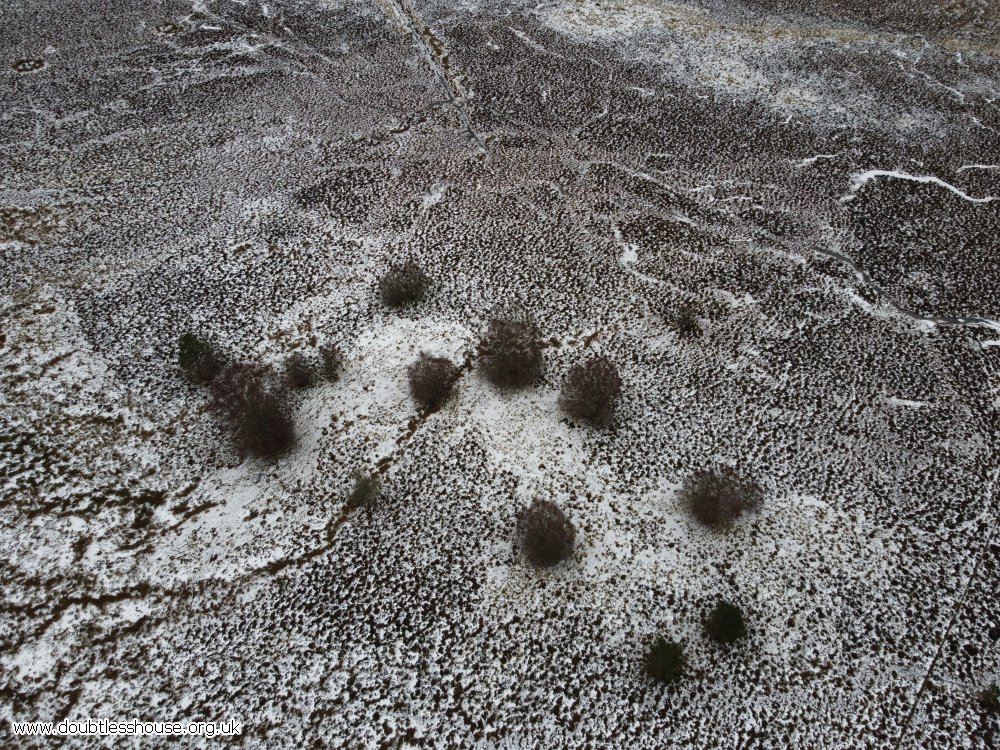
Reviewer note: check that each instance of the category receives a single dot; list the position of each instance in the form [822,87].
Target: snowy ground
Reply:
[823,179]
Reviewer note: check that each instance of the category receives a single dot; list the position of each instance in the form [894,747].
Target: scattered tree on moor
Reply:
[253,401]
[716,498]
[546,535]
[725,623]
[198,358]
[365,492]
[431,380]
[330,362]
[403,284]
[590,392]
[510,352]
[686,321]
[665,660]
[302,370]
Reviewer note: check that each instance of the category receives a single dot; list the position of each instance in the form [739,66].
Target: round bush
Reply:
[403,284]
[685,320]
[591,391]
[254,403]
[302,370]
[198,358]
[547,536]
[725,624]
[510,352]
[665,660]
[716,498]
[431,380]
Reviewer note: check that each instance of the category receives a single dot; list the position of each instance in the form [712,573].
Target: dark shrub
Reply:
[717,498]
[510,353]
[725,624]
[198,358]
[591,391]
[685,321]
[330,362]
[253,401]
[302,370]
[365,492]
[547,535]
[665,660]
[431,380]
[403,284]
[989,699]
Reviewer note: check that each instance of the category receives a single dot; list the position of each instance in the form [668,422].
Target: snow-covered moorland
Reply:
[778,221]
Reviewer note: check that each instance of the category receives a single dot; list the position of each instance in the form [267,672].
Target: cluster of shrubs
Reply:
[253,399]
[510,357]
[716,498]
[666,659]
[304,369]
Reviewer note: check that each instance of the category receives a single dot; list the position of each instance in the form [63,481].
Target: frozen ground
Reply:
[822,177]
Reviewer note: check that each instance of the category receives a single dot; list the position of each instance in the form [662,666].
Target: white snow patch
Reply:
[863,178]
[893,401]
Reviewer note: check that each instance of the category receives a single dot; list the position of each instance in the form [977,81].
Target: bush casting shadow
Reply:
[253,401]
[403,284]
[510,352]
[431,380]
[546,535]
[590,392]
[665,660]
[716,498]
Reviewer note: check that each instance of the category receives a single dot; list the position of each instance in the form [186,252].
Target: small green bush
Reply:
[725,623]
[403,284]
[365,493]
[716,498]
[665,660]
[510,352]
[591,391]
[431,380]
[547,536]
[330,362]
[198,358]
